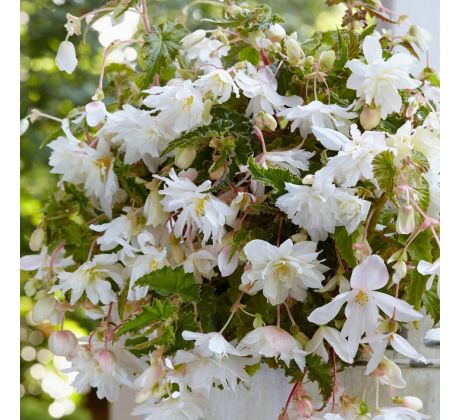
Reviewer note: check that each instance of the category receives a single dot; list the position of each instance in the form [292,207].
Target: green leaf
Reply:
[421,247]
[423,192]
[320,373]
[385,171]
[272,177]
[344,243]
[249,54]
[172,281]
[158,311]
[432,304]
[122,301]
[161,48]
[416,289]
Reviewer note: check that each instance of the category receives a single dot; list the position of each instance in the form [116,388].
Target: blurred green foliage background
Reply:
[45,392]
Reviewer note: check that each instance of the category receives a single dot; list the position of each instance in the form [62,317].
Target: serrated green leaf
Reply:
[320,373]
[423,192]
[344,243]
[158,311]
[272,177]
[161,47]
[249,54]
[385,171]
[415,289]
[421,247]
[171,281]
[432,304]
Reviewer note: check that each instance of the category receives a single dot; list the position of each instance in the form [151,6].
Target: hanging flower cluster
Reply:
[238,197]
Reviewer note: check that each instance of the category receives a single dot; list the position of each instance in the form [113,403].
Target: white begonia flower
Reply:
[219,83]
[317,114]
[292,160]
[205,53]
[429,269]
[260,86]
[66,57]
[282,272]
[363,303]
[314,207]
[213,361]
[379,80]
[335,340]
[107,374]
[179,406]
[276,32]
[399,413]
[389,373]
[272,341]
[201,264]
[227,265]
[379,342]
[179,103]
[406,139]
[351,210]
[198,209]
[91,277]
[210,344]
[41,263]
[63,343]
[151,259]
[139,135]
[95,113]
[354,159]
[422,37]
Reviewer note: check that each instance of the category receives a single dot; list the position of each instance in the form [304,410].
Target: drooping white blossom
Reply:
[261,87]
[198,209]
[92,278]
[219,83]
[293,160]
[317,114]
[282,272]
[337,341]
[43,264]
[272,341]
[66,57]
[378,80]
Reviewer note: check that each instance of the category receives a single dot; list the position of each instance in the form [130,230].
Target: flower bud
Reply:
[43,308]
[185,157]
[190,40]
[36,239]
[258,322]
[153,209]
[106,360]
[413,403]
[234,10]
[369,118]
[308,179]
[405,222]
[63,343]
[327,59]
[276,32]
[400,268]
[66,57]
[218,173]
[264,121]
[299,237]
[95,113]
[24,126]
[30,288]
[294,51]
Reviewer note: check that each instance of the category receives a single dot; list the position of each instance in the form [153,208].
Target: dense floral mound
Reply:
[238,197]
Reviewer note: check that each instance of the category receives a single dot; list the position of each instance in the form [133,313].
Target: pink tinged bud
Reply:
[405,222]
[43,309]
[66,57]
[369,118]
[413,403]
[36,239]
[279,339]
[106,360]
[304,408]
[95,113]
[63,343]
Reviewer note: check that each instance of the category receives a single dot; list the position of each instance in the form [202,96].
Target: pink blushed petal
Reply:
[226,266]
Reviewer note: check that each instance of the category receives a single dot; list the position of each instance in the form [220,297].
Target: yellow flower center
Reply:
[187,103]
[361,297]
[199,206]
[153,264]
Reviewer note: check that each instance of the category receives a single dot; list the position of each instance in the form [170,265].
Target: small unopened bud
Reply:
[265,121]
[190,40]
[63,343]
[327,59]
[24,126]
[400,268]
[217,173]
[258,321]
[294,51]
[413,403]
[276,32]
[43,308]
[405,222]
[185,157]
[36,239]
[106,360]
[30,288]
[369,118]
[308,179]
[153,209]
[299,237]
[95,113]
